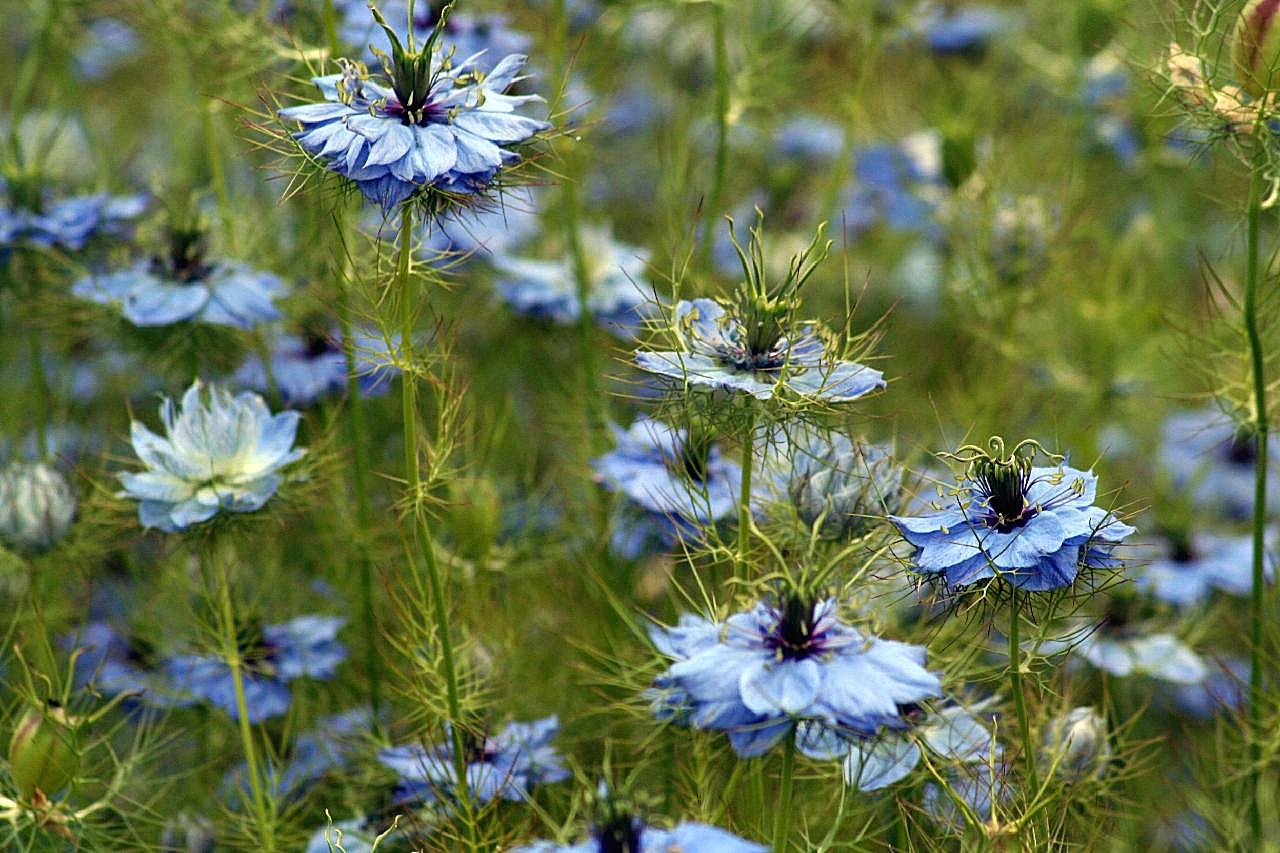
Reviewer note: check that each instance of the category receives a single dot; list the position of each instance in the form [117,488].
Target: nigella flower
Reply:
[1125,650]
[841,486]
[1031,526]
[273,656]
[756,346]
[496,228]
[951,734]
[1196,565]
[761,672]
[31,216]
[897,185]
[635,836]
[489,37]
[437,125]
[679,480]
[504,766]
[108,42]
[304,369]
[37,505]
[810,138]
[114,663]
[328,748]
[220,453]
[1224,689]
[617,294]
[960,31]
[1212,457]
[975,789]
[186,285]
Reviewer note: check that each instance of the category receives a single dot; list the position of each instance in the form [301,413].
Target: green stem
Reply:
[1262,427]
[217,173]
[231,651]
[1019,699]
[782,818]
[40,389]
[713,205]
[744,499]
[330,22]
[364,514]
[422,525]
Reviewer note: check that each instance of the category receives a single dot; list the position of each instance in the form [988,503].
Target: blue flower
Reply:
[898,185]
[1031,526]
[330,747]
[223,455]
[496,228]
[618,295]
[978,787]
[305,646]
[1207,562]
[491,36]
[114,663]
[688,837]
[439,125]
[716,352]
[1211,457]
[839,485]
[504,766]
[65,223]
[965,30]
[304,370]
[108,42]
[1126,650]
[1224,689]
[682,485]
[809,138]
[759,673]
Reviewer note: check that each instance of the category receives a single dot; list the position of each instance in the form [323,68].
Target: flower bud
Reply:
[36,505]
[42,753]
[475,515]
[1076,743]
[1256,49]
[846,485]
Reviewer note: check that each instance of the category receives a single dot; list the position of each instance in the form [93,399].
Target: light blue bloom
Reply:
[618,295]
[897,185]
[114,663]
[761,672]
[224,293]
[964,30]
[1224,689]
[810,138]
[716,353]
[1209,562]
[684,837]
[37,505]
[488,229]
[977,785]
[304,370]
[842,486]
[305,646]
[68,223]
[439,124]
[681,485]
[1127,650]
[1211,457]
[225,454]
[108,42]
[504,766]
[1031,526]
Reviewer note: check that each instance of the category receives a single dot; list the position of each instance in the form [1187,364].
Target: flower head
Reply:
[489,37]
[840,485]
[29,215]
[220,453]
[641,838]
[504,766]
[432,125]
[1124,650]
[37,505]
[1211,457]
[755,345]
[1031,526]
[616,296]
[304,369]
[1076,744]
[1197,565]
[273,656]
[760,672]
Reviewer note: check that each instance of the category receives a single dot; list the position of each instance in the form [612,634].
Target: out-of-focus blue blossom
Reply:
[376,363]
[305,646]
[115,664]
[842,486]
[1104,88]
[495,229]
[504,766]
[330,747]
[618,294]
[491,36]
[304,370]
[1211,457]
[632,110]
[225,454]
[715,353]
[1208,562]
[1031,526]
[898,186]
[640,838]
[968,29]
[810,139]
[150,293]
[1076,745]
[977,786]
[107,43]
[1224,689]
[952,734]
[68,223]
[1126,651]
[439,124]
[37,505]
[682,485]
[760,673]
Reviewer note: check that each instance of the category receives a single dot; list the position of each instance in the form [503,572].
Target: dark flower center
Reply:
[254,649]
[1002,485]
[619,834]
[476,748]
[796,636]
[185,262]
[415,111]
[693,456]
[140,653]
[1243,448]
[317,344]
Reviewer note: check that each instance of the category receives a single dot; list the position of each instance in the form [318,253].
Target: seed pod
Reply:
[1076,741]
[42,753]
[1256,48]
[36,505]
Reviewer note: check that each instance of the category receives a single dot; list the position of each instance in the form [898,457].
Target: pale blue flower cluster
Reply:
[1210,562]
[221,452]
[641,838]
[224,293]
[1211,457]
[67,223]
